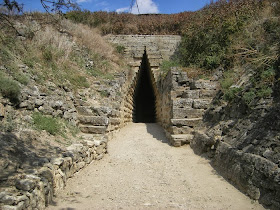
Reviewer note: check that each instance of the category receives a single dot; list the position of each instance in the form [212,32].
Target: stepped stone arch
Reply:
[156,48]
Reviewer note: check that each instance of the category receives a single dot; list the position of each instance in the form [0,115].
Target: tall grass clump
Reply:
[47,123]
[9,88]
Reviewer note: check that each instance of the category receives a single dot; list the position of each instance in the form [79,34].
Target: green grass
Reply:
[9,88]
[47,123]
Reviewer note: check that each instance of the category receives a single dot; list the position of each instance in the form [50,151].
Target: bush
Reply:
[166,66]
[232,93]
[9,89]
[48,123]
[120,49]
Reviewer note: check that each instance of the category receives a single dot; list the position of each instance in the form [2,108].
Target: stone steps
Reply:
[191,122]
[93,129]
[181,139]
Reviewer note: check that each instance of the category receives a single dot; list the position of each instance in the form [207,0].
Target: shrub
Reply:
[48,123]
[249,96]
[9,89]
[166,66]
[120,49]
[232,93]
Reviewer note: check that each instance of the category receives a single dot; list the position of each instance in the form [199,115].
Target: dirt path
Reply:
[142,171]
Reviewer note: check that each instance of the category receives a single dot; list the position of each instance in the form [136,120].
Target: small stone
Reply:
[25,184]
[7,199]
[57,161]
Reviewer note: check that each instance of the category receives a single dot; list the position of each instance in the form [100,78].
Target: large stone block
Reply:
[182,130]
[83,110]
[204,84]
[93,129]
[190,122]
[93,120]
[179,113]
[194,94]
[182,103]
[201,103]
[207,93]
[179,140]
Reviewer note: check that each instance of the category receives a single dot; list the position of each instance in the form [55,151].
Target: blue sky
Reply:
[145,6]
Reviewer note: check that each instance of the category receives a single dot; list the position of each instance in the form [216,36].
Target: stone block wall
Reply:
[183,103]
[35,190]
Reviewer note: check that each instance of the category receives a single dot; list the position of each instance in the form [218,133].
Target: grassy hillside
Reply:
[66,54]
[238,37]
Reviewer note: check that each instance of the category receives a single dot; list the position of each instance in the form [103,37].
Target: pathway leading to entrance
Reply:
[142,171]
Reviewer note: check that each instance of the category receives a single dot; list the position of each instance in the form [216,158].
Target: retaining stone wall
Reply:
[36,189]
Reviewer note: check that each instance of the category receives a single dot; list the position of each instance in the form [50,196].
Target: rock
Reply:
[7,198]
[25,184]
[46,173]
[183,103]
[56,104]
[45,109]
[76,148]
[93,129]
[2,111]
[202,143]
[39,102]
[93,120]
[201,103]
[80,165]
[57,161]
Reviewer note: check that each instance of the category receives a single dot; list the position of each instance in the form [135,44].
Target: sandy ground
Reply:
[141,171]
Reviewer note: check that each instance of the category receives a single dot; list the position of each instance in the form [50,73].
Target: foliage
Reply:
[126,23]
[8,124]
[231,93]
[166,65]
[9,88]
[120,49]
[48,123]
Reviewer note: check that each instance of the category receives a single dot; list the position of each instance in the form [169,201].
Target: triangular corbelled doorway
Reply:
[144,96]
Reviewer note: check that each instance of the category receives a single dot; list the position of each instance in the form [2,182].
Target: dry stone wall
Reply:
[183,103]
[36,189]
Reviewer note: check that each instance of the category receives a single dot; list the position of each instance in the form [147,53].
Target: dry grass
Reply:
[52,38]
[91,38]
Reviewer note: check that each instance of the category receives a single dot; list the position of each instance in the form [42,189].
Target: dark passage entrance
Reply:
[144,97]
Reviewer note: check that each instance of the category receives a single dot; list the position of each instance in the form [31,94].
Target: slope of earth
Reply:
[142,171]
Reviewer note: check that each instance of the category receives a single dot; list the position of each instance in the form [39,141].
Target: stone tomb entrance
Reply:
[144,96]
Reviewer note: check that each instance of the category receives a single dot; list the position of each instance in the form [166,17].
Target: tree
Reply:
[51,6]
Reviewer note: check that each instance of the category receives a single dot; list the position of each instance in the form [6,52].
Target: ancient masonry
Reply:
[179,102]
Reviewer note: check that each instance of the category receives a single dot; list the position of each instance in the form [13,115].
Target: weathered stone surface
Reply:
[7,198]
[25,184]
[182,129]
[207,93]
[76,148]
[180,139]
[193,94]
[46,173]
[180,113]
[2,111]
[183,103]
[191,122]
[114,121]
[83,110]
[201,103]
[93,120]
[93,129]
[204,84]
[202,143]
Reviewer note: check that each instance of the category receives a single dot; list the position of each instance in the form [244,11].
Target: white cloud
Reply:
[124,9]
[82,1]
[145,6]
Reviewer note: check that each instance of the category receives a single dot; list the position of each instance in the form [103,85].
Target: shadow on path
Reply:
[157,132]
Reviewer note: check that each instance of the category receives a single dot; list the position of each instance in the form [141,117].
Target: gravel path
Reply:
[142,171]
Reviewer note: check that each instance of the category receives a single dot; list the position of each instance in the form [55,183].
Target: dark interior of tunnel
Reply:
[144,97]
